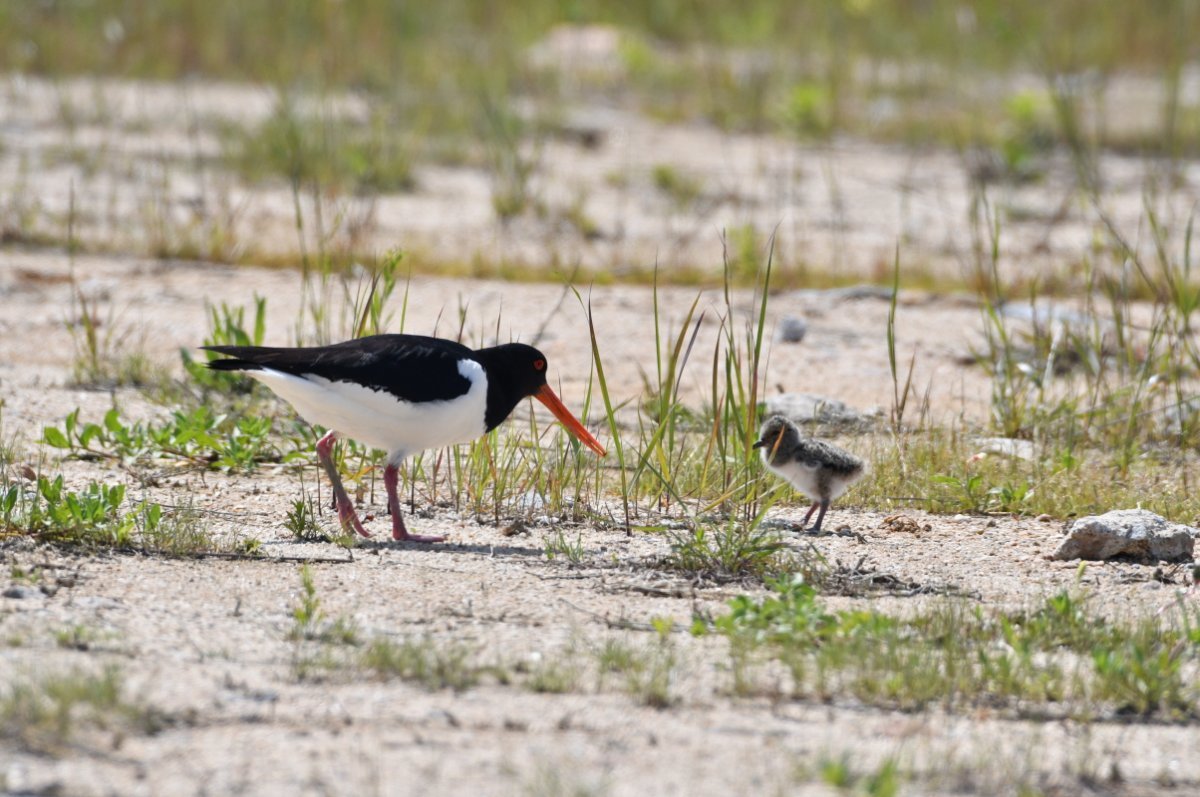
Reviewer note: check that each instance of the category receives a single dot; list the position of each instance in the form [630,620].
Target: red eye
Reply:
[539,365]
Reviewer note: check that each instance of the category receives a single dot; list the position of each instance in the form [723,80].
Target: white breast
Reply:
[378,418]
[803,477]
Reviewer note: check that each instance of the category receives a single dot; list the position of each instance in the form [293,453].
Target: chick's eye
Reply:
[539,365]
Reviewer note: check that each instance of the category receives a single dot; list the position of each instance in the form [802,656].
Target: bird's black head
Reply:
[521,369]
[516,371]
[778,432]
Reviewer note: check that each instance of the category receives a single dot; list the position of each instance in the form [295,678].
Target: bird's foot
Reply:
[400,532]
[349,519]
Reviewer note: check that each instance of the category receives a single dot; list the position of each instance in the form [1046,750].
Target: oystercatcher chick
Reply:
[819,470]
[403,394]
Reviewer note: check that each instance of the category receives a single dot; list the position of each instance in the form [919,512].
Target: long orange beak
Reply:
[547,397]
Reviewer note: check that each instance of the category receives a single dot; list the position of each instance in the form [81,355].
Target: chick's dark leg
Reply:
[341,500]
[820,515]
[808,516]
[391,478]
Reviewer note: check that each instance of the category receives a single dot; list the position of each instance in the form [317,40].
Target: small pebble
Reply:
[792,329]
[1045,518]
[22,591]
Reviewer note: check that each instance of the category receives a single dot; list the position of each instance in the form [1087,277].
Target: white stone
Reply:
[1130,532]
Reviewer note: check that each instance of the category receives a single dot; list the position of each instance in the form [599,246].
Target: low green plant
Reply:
[302,522]
[730,551]
[321,644]
[10,451]
[615,656]
[248,546]
[556,674]
[53,714]
[1057,658]
[1028,131]
[51,512]
[96,517]
[551,781]
[836,772]
[650,680]
[841,774]
[683,190]
[325,149]
[180,531]
[197,436]
[942,469]
[808,110]
[227,327]
[350,299]
[105,355]
[424,661]
[557,544]
[310,622]
[646,671]
[76,637]
[511,159]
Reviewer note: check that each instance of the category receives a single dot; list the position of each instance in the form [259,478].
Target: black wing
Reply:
[410,367]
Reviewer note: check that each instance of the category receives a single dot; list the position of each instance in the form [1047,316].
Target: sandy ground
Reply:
[205,641]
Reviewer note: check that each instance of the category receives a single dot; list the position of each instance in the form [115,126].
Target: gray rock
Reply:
[847,293]
[811,408]
[791,329]
[1129,532]
[22,591]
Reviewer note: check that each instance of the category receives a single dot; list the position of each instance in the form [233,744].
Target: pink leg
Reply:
[391,477]
[345,509]
[811,509]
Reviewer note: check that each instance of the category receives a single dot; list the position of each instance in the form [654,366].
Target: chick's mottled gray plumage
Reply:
[818,469]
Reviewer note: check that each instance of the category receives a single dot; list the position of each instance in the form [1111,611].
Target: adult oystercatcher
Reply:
[818,469]
[403,394]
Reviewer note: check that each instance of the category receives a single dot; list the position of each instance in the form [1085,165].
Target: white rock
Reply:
[1129,532]
[1007,447]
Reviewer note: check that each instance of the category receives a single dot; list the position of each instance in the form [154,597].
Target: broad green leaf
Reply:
[54,437]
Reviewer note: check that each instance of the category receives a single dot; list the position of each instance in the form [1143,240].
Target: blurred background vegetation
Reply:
[910,70]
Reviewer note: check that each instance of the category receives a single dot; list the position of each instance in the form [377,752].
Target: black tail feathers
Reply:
[233,364]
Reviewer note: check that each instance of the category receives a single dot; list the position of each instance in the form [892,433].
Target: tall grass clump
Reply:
[1108,382]
[699,459]
[1092,403]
